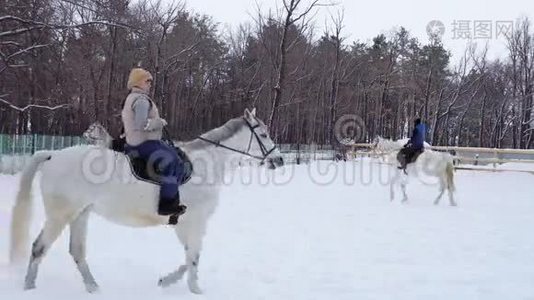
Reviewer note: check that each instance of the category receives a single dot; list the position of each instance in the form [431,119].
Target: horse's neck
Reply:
[388,145]
[218,161]
[392,144]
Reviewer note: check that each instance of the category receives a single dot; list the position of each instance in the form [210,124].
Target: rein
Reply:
[253,135]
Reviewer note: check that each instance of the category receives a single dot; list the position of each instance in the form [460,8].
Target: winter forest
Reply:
[64,64]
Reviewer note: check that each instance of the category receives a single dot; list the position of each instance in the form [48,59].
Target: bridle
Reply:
[253,134]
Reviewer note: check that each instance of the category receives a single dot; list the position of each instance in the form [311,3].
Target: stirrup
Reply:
[173,219]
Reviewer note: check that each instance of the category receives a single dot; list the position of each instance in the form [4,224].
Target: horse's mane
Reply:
[218,134]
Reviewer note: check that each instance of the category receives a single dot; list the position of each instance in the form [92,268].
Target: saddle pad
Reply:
[143,172]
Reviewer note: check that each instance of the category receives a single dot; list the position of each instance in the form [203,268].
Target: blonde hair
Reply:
[137,76]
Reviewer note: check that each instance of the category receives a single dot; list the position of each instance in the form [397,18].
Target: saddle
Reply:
[143,171]
[407,156]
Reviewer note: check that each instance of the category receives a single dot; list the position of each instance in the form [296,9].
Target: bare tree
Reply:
[292,15]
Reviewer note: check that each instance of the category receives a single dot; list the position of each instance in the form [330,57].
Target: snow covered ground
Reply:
[313,234]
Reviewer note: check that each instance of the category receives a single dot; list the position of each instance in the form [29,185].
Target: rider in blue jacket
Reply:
[415,145]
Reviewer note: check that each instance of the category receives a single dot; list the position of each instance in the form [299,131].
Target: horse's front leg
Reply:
[441,191]
[404,194]
[192,259]
[451,197]
[391,192]
[191,237]
[392,183]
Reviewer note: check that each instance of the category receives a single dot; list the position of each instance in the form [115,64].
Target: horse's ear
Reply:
[248,115]
[253,112]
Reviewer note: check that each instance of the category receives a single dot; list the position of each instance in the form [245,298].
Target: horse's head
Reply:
[260,144]
[96,134]
[376,142]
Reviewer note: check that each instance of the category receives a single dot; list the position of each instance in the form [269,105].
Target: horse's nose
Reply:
[278,161]
[274,162]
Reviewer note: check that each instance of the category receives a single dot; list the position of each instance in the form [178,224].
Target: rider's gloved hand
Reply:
[155,124]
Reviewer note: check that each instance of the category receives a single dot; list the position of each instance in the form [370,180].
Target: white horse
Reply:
[382,147]
[430,164]
[83,179]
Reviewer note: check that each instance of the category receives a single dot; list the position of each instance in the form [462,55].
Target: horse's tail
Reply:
[450,176]
[21,213]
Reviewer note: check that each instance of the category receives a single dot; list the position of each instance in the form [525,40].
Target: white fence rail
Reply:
[15,151]
[473,158]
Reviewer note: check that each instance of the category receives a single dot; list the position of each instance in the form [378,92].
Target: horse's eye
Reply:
[263,135]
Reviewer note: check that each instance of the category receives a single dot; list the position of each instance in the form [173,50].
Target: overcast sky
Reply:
[366,19]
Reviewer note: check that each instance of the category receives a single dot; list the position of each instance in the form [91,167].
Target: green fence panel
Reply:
[28,144]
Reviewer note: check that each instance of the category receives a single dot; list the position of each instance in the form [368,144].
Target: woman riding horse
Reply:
[143,130]
[415,145]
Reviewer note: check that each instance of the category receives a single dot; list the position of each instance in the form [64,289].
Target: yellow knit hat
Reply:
[137,76]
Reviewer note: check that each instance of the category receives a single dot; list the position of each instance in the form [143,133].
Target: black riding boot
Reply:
[401,158]
[172,206]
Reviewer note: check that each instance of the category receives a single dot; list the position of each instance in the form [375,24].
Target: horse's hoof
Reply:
[167,281]
[193,287]
[29,286]
[172,278]
[196,291]
[92,288]
[163,283]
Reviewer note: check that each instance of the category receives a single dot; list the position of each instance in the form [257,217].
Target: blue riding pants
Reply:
[163,157]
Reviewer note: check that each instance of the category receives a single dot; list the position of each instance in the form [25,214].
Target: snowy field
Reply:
[312,234]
